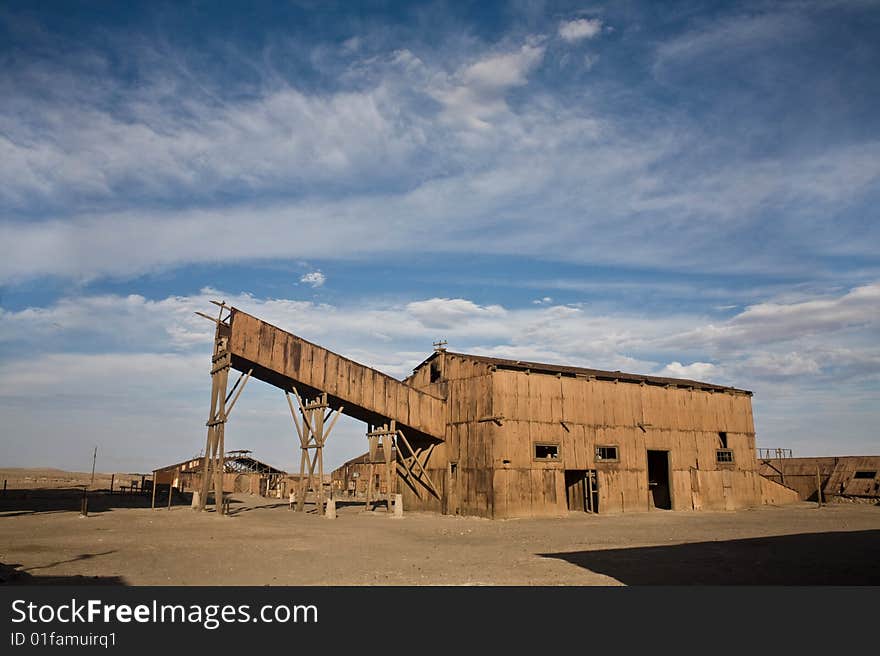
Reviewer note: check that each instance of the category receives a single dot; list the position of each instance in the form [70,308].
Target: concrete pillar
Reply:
[398,506]
[196,499]
[330,513]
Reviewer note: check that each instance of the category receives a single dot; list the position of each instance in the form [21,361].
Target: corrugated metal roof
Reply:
[601,374]
[245,461]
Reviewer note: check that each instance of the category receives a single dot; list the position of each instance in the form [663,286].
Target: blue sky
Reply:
[673,188]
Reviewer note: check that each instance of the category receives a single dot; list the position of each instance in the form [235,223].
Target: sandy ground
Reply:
[43,539]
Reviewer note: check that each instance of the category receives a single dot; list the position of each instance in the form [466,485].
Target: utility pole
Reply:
[94,458]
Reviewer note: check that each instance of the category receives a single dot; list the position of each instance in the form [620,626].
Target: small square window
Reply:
[546,451]
[453,469]
[606,453]
[724,456]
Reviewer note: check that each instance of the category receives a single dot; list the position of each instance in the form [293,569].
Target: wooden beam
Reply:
[428,483]
[232,405]
[299,431]
[209,318]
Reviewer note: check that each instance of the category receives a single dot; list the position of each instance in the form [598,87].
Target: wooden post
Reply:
[94,459]
[313,432]
[369,505]
[214,460]
[112,478]
[170,491]
[818,487]
[4,487]
[319,441]
[153,504]
[589,499]
[387,442]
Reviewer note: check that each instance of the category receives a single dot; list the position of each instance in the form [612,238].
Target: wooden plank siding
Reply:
[578,413]
[285,360]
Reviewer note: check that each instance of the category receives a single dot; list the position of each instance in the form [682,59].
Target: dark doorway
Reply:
[581,491]
[658,479]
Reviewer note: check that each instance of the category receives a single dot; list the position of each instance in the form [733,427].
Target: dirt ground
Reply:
[43,539]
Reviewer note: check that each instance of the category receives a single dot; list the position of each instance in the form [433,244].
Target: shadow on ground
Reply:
[13,574]
[68,499]
[840,558]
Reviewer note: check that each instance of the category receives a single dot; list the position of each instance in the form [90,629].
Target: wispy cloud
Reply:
[152,365]
[461,147]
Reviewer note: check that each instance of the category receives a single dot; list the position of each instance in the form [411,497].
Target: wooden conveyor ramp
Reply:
[323,383]
[285,360]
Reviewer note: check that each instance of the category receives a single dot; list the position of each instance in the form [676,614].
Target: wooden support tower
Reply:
[213,463]
[313,431]
[384,437]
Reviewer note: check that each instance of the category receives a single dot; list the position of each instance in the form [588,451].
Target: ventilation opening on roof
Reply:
[865,474]
[435,372]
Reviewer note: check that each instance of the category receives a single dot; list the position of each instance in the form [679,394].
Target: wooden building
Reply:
[242,473]
[352,478]
[856,477]
[527,438]
[501,438]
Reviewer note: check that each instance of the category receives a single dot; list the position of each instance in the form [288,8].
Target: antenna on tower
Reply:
[440,345]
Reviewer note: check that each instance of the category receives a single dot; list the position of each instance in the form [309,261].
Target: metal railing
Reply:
[769,454]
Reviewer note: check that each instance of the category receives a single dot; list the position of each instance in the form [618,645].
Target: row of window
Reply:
[610,453]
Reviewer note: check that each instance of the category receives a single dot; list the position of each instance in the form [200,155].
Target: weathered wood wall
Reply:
[836,475]
[497,415]
[776,494]
[283,359]
[343,478]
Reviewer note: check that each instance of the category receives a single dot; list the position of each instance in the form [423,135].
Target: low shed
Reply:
[242,473]
[840,476]
[352,478]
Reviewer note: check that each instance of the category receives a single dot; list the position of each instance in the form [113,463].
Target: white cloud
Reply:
[136,359]
[475,95]
[781,322]
[580,28]
[456,316]
[462,154]
[694,371]
[314,278]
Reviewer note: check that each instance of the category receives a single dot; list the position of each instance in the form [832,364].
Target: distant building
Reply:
[242,473]
[352,478]
[856,477]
